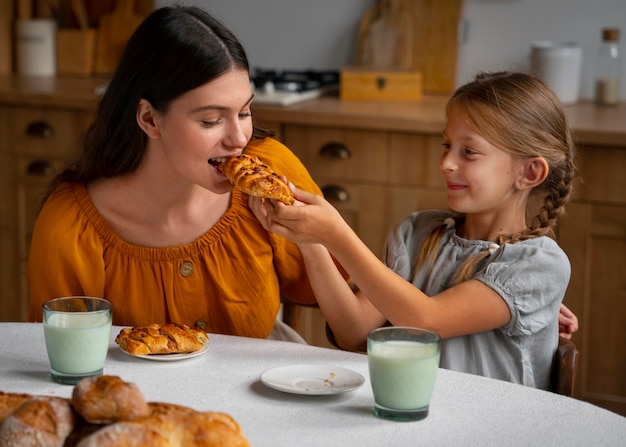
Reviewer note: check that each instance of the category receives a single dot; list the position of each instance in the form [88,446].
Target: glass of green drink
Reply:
[77,331]
[403,364]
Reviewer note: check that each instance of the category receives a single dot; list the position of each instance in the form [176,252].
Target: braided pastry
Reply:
[170,338]
[252,176]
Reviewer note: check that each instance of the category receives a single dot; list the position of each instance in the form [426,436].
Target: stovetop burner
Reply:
[295,80]
[292,86]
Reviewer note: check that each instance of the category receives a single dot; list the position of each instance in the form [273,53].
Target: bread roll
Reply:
[39,421]
[106,399]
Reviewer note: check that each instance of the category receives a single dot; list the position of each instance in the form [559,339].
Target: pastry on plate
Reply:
[169,338]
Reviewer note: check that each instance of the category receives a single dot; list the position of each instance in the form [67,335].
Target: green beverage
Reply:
[403,364]
[77,337]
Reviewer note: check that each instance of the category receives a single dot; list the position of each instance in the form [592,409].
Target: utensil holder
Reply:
[76,51]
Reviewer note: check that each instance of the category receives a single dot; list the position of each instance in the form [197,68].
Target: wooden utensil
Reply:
[78,6]
[433,49]
[435,41]
[113,33]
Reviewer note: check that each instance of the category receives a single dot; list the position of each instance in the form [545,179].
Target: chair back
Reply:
[564,367]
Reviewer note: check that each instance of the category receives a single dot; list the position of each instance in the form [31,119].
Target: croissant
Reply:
[252,176]
[170,338]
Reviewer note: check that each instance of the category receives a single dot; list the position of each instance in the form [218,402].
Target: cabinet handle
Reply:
[335,193]
[41,168]
[40,129]
[335,150]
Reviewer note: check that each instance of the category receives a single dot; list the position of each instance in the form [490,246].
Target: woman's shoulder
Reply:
[283,161]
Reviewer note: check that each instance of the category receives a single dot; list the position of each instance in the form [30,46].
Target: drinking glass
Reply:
[77,331]
[403,364]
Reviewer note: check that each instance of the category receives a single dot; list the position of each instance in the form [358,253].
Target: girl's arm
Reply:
[469,307]
[350,315]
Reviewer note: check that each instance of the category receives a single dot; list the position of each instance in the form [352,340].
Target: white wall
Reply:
[321,34]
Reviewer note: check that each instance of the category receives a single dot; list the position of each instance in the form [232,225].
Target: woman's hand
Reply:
[568,322]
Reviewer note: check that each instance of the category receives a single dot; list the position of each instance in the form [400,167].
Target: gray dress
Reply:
[531,277]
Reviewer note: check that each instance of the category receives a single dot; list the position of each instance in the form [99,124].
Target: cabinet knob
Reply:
[41,168]
[40,129]
[335,150]
[335,193]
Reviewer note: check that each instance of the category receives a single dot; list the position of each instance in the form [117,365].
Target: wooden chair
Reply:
[564,367]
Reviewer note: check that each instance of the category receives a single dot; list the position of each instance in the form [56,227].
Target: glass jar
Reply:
[608,68]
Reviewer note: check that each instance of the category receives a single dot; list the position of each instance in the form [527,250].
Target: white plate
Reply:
[312,379]
[171,357]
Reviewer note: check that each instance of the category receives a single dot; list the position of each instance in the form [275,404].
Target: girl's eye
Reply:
[469,151]
[245,115]
[446,146]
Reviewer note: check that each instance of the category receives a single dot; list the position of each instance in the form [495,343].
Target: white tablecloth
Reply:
[465,410]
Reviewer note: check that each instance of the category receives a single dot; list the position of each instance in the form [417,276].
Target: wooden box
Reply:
[361,83]
[76,51]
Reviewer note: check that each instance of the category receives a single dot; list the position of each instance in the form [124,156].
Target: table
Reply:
[465,410]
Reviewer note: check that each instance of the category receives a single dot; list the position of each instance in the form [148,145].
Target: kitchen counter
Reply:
[604,126]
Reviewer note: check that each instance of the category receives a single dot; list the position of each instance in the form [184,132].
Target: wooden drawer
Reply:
[340,153]
[414,160]
[363,206]
[38,131]
[601,173]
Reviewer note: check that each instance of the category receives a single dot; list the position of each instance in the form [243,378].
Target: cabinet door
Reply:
[364,207]
[9,268]
[594,237]
[41,140]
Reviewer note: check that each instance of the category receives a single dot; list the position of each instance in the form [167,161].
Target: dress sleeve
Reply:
[294,282]
[56,262]
[532,277]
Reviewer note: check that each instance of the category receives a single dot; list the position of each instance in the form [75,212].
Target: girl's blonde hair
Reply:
[518,114]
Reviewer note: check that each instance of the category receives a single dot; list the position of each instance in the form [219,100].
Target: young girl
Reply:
[486,276]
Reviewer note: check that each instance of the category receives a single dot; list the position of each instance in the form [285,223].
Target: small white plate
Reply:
[312,379]
[171,357]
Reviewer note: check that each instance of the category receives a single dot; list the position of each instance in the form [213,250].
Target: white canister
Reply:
[35,41]
[559,65]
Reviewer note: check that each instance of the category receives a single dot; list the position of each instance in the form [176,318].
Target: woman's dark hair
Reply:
[174,50]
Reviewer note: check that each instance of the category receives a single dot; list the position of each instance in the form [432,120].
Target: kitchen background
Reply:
[495,34]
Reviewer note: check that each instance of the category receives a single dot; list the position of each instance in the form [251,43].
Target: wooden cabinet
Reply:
[9,272]
[39,140]
[593,234]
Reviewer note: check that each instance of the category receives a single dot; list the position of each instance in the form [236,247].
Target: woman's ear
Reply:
[534,173]
[146,119]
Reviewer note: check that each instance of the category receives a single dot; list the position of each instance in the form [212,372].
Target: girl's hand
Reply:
[568,322]
[311,219]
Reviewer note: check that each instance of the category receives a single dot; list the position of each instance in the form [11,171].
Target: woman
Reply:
[143,219]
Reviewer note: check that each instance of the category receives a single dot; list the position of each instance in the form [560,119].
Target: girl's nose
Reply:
[447,162]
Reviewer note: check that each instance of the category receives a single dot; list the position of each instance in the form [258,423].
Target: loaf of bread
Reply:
[39,421]
[173,429]
[170,338]
[107,399]
[9,403]
[107,411]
